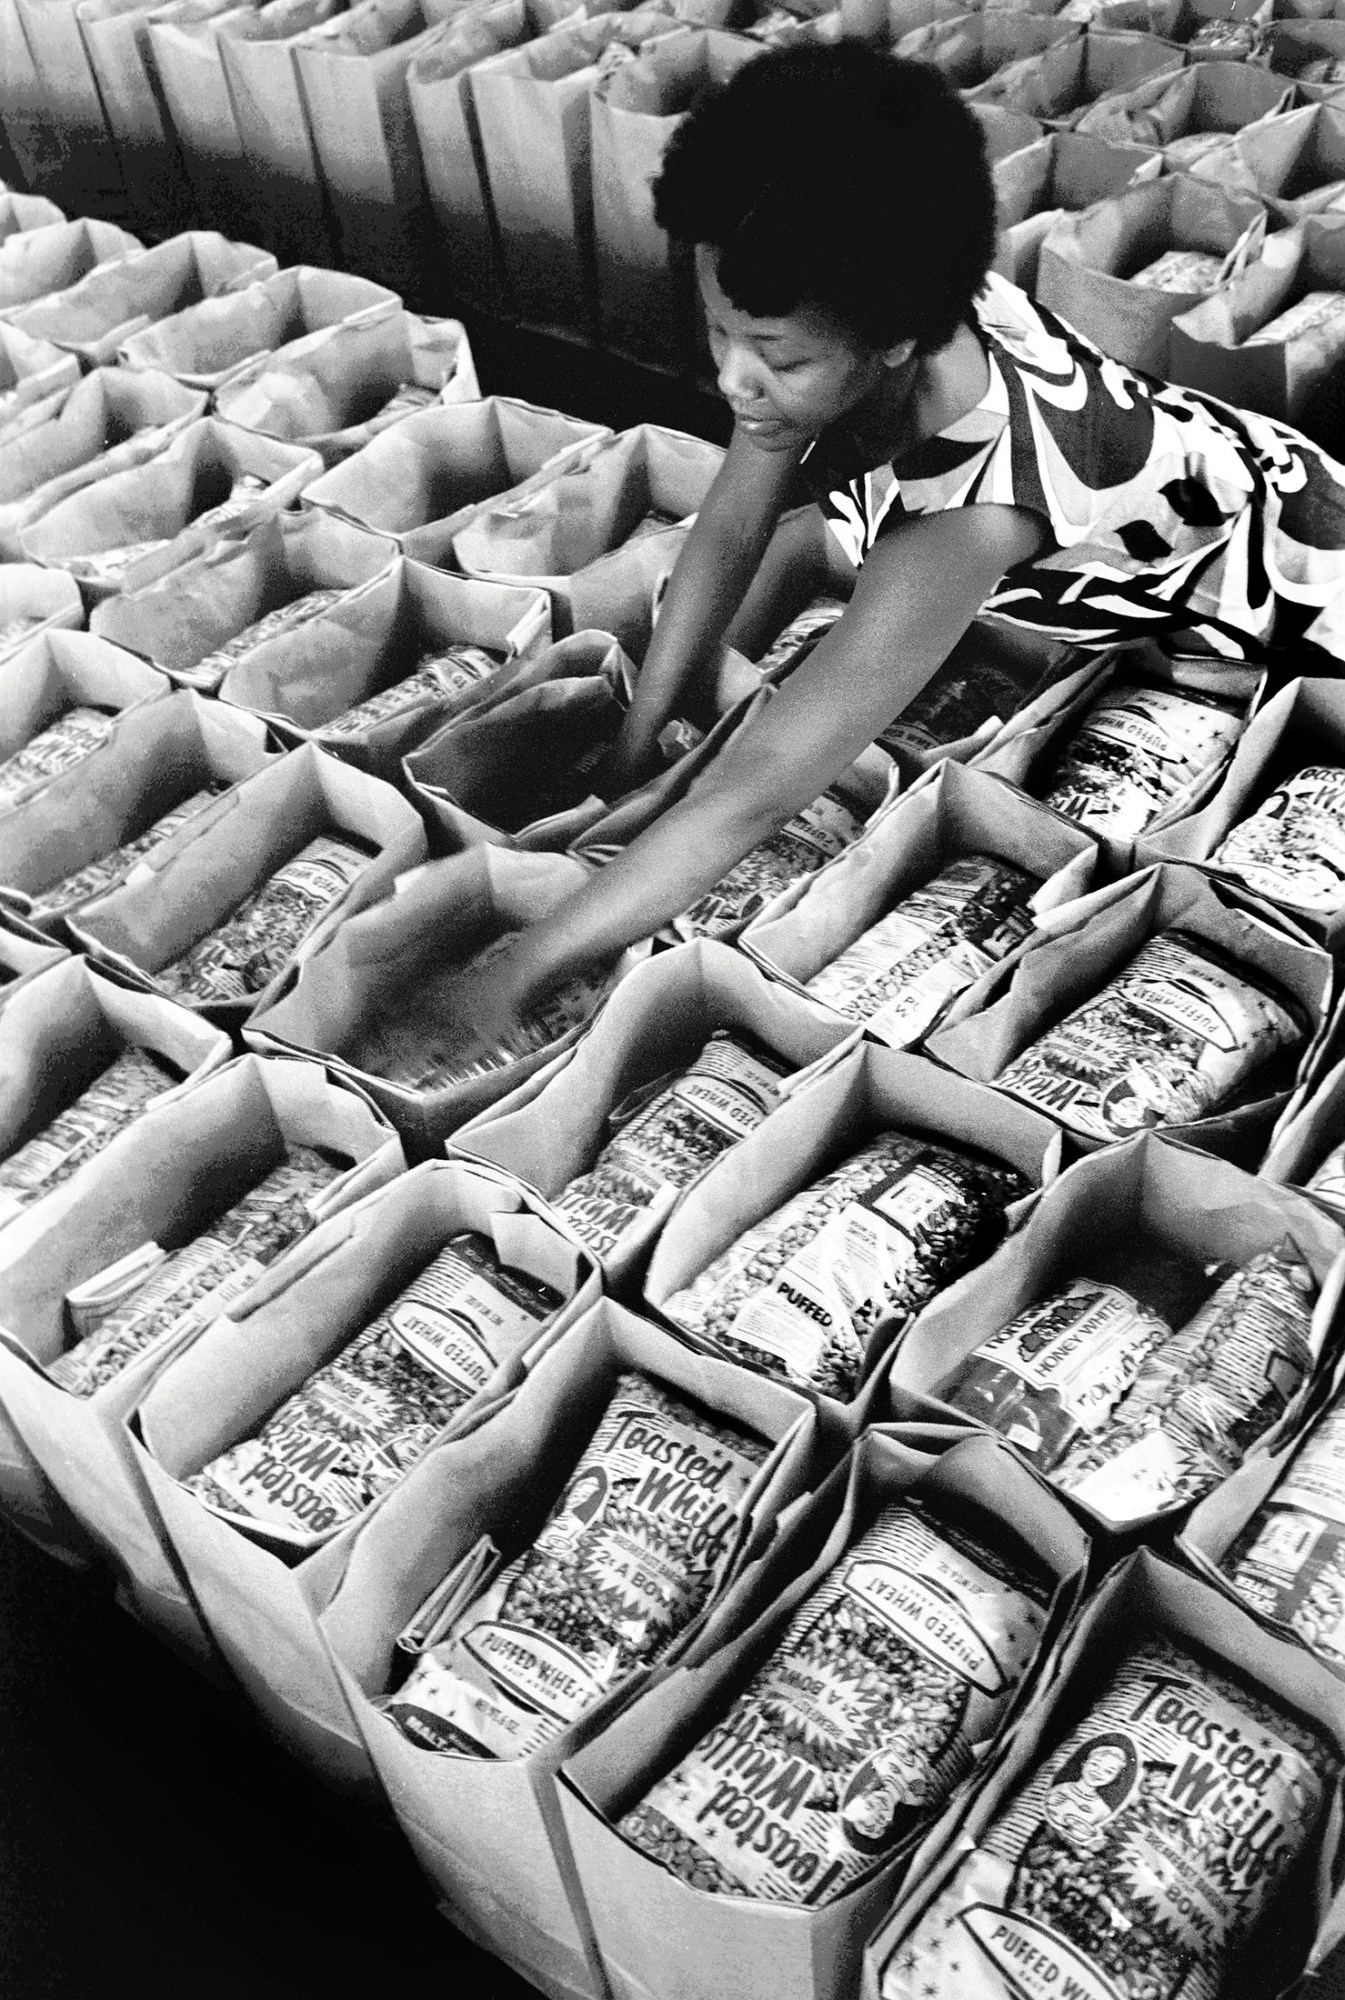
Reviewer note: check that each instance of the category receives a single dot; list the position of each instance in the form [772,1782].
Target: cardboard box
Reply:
[336,390]
[1143,1598]
[35,378]
[862,1091]
[488,1832]
[566,529]
[116,41]
[957,812]
[303,680]
[1084,266]
[64,1456]
[94,316]
[1026,749]
[207,344]
[447,913]
[111,421]
[1304,723]
[647,301]
[531,107]
[43,595]
[1083,945]
[658,1935]
[1157,1199]
[89,177]
[194,880]
[34,262]
[553,1127]
[157,755]
[1284,379]
[1058,174]
[181,622]
[438,88]
[480,777]
[427,477]
[258,1606]
[283,184]
[168,502]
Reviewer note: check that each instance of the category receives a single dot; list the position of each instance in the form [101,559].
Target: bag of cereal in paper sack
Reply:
[1292,848]
[801,1294]
[1137,1860]
[356,1425]
[1172,1037]
[1137,753]
[629,1556]
[859,1725]
[1289,1561]
[91,1121]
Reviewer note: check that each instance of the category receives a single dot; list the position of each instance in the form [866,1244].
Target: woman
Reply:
[969,452]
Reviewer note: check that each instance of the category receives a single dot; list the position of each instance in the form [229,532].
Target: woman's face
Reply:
[785,379]
[1101,1766]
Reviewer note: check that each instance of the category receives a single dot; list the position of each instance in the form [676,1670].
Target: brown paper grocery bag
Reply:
[259,1600]
[34,142]
[165,511]
[569,529]
[206,344]
[157,756]
[1210,97]
[532,113]
[1291,47]
[111,421]
[1060,83]
[840,1105]
[487,1831]
[336,389]
[1060,173]
[221,1132]
[181,623]
[94,316]
[1143,1599]
[306,681]
[972,50]
[1294,379]
[1079,947]
[647,1919]
[1296,161]
[35,378]
[89,178]
[34,262]
[20,212]
[284,189]
[521,770]
[426,477]
[959,812]
[32,601]
[553,1127]
[116,41]
[439,92]
[1159,1199]
[185,53]
[191,882]
[647,301]
[1085,262]
[407,950]
[58,670]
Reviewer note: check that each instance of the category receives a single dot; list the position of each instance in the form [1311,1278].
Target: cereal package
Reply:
[1289,1561]
[1138,752]
[65,743]
[1292,848]
[120,1093]
[249,948]
[801,846]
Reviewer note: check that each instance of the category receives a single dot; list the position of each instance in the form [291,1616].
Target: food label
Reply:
[100,877]
[1292,849]
[798,639]
[252,946]
[719,1099]
[1137,754]
[1139,1856]
[1166,1042]
[857,1728]
[85,1127]
[438,678]
[801,846]
[285,618]
[67,742]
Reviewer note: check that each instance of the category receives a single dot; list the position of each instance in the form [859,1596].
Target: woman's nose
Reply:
[736,376]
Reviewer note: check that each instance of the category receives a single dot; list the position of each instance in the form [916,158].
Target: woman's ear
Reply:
[898,355]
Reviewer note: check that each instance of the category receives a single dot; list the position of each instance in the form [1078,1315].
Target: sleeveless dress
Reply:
[1168,510]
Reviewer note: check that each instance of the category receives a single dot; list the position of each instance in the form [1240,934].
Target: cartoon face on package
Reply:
[802,1293]
[630,1554]
[859,1725]
[1172,1038]
[1138,1859]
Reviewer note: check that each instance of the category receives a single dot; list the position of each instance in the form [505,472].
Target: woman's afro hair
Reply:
[840,178]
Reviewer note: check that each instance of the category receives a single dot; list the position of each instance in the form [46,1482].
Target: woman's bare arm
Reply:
[917,593]
[718,562]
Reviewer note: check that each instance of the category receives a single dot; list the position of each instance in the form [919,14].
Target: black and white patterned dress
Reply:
[1168,510]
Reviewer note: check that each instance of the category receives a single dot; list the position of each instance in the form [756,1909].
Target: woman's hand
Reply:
[493,995]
